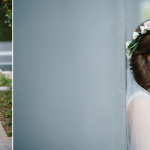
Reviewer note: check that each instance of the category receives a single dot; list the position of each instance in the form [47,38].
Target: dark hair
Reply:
[138,61]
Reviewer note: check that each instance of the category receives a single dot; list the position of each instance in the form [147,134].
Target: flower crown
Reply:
[132,45]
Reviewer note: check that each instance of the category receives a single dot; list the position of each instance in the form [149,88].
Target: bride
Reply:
[138,89]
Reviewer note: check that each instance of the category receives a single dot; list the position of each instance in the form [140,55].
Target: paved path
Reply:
[5,141]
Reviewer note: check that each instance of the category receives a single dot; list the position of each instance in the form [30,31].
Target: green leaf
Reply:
[132,43]
[134,48]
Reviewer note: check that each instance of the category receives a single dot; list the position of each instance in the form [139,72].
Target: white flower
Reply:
[127,54]
[127,44]
[135,35]
[143,29]
[147,25]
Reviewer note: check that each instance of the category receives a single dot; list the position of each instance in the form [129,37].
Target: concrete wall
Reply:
[69,74]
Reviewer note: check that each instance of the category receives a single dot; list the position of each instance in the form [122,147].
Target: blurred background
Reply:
[6,35]
[6,73]
[70,72]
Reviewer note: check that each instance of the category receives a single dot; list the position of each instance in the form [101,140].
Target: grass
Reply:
[6,105]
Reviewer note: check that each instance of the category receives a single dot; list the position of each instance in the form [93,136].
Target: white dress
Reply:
[138,115]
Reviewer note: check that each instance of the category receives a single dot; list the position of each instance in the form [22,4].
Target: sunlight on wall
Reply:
[145,10]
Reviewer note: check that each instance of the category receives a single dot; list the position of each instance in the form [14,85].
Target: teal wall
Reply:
[70,74]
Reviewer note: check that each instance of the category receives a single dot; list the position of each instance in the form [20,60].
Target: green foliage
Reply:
[5,20]
[10,134]
[7,113]
[4,81]
[134,48]
[9,123]
[6,100]
[1,105]
[7,6]
[133,43]
[6,103]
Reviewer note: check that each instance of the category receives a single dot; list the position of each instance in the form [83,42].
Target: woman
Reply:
[138,89]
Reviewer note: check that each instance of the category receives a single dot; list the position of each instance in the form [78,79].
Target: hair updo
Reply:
[138,62]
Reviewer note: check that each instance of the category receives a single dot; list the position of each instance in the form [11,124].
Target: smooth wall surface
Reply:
[69,75]
[136,13]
